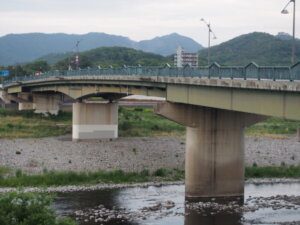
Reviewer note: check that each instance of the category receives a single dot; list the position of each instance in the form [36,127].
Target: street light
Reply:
[214,37]
[77,54]
[285,11]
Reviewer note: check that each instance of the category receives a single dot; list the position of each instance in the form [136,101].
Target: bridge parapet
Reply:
[251,71]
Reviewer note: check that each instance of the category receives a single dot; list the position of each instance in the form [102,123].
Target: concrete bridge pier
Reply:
[41,103]
[93,121]
[25,101]
[214,162]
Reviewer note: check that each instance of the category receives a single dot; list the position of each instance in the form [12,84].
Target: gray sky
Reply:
[145,19]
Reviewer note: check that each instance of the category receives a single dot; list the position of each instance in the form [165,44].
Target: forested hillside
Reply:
[262,48]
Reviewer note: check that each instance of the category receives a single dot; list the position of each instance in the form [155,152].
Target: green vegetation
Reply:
[104,57]
[133,122]
[273,172]
[274,126]
[84,178]
[115,56]
[141,122]
[22,124]
[52,178]
[138,122]
[27,69]
[4,171]
[28,209]
[262,48]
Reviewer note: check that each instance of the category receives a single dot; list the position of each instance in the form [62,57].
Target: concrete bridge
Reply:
[215,104]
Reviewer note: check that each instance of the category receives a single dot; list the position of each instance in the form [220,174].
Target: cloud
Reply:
[144,19]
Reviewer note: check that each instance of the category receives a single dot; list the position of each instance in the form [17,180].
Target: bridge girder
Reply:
[264,97]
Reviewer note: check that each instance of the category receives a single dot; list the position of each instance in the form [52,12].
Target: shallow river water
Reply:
[263,204]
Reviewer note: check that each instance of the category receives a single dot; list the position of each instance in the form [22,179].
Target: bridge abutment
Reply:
[92,121]
[214,162]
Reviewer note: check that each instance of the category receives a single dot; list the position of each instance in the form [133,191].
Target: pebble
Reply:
[160,210]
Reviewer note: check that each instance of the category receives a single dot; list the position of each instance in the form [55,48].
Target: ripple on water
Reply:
[264,204]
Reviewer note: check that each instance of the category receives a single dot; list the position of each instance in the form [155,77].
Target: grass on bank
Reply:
[27,124]
[274,126]
[141,122]
[133,122]
[273,172]
[87,178]
[119,176]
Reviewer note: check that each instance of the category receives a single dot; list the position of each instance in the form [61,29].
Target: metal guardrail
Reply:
[251,71]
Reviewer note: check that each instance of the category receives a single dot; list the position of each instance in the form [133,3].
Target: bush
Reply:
[28,209]
[160,172]
[125,125]
[145,173]
[138,109]
[273,171]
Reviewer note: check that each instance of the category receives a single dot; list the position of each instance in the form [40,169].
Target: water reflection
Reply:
[193,217]
[66,203]
[134,199]
[214,211]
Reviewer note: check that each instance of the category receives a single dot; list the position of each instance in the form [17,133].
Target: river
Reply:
[263,204]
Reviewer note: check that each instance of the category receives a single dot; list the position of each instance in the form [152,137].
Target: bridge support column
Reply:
[214,162]
[24,101]
[95,121]
[43,103]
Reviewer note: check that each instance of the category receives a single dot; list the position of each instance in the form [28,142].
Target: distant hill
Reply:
[19,48]
[167,45]
[104,57]
[114,56]
[53,58]
[262,48]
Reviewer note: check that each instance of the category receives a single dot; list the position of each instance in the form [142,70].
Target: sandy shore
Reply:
[129,154]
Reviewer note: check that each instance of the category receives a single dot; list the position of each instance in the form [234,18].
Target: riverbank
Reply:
[76,188]
[33,156]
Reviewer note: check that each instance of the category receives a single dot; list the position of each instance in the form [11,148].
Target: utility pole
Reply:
[77,54]
[285,11]
[214,37]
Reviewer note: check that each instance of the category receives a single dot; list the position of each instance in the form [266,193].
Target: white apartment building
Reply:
[182,58]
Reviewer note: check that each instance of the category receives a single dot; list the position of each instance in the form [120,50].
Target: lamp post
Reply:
[214,37]
[77,54]
[285,11]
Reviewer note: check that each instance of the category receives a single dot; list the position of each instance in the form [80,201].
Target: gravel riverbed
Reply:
[129,154]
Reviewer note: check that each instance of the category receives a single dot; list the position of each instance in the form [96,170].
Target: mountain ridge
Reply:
[19,48]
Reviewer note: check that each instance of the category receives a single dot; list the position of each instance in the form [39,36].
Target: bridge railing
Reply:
[251,71]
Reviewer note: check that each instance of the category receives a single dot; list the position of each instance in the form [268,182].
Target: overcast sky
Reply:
[146,19]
